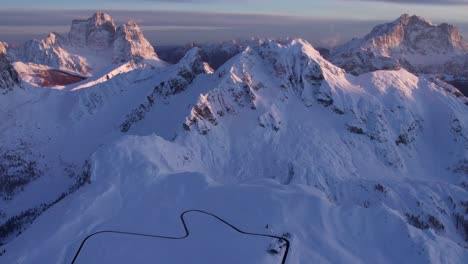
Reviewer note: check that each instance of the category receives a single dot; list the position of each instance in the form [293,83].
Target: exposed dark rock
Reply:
[416,221]
[402,139]
[17,168]
[435,223]
[356,130]
[379,187]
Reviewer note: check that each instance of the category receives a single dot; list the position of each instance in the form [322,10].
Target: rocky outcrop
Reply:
[97,32]
[187,69]
[410,42]
[201,115]
[52,51]
[130,44]
[8,76]
[185,73]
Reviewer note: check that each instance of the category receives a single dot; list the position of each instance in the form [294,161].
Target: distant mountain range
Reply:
[92,45]
[359,156]
[410,42]
[217,53]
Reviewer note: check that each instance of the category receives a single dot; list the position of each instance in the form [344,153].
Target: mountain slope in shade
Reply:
[277,139]
[91,47]
[410,42]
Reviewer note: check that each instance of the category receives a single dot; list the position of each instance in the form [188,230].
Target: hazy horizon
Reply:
[323,23]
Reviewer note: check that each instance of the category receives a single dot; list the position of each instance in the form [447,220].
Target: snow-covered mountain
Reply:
[361,169]
[50,52]
[217,53]
[410,42]
[49,135]
[130,44]
[91,48]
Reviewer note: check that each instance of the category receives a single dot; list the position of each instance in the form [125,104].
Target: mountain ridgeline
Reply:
[366,146]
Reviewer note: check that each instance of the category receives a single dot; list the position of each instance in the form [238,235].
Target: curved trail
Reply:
[187,233]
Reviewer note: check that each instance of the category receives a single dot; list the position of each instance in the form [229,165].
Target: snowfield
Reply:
[352,169]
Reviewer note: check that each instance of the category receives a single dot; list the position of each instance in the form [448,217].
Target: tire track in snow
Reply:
[187,233]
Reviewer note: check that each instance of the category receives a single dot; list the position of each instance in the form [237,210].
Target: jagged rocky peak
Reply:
[413,19]
[411,42]
[3,47]
[417,35]
[53,39]
[415,30]
[50,51]
[131,44]
[8,75]
[97,32]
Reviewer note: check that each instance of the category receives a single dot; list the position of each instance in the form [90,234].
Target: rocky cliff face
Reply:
[415,35]
[177,81]
[130,44]
[8,75]
[96,32]
[410,42]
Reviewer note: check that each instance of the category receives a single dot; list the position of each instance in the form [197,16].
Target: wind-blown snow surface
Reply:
[367,169]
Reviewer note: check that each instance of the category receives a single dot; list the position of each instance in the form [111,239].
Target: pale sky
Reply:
[165,22]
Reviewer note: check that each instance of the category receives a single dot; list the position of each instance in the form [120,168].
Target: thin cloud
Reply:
[421,2]
[176,27]
[432,2]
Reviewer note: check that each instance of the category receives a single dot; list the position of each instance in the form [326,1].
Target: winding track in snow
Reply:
[187,233]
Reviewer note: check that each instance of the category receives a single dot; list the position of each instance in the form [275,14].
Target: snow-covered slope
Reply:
[410,42]
[277,140]
[48,135]
[264,92]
